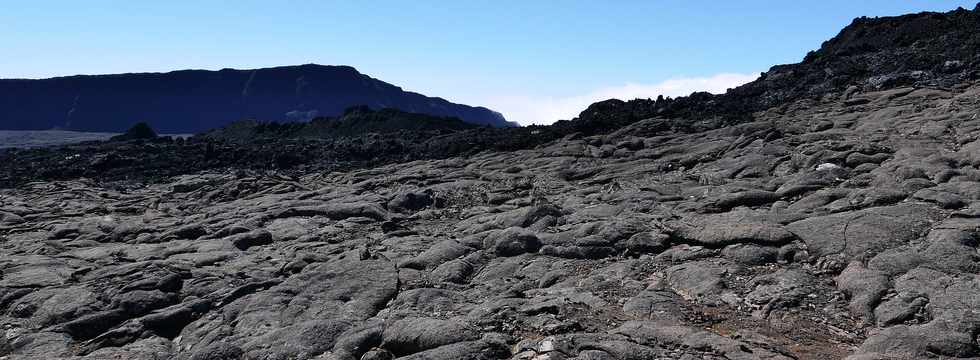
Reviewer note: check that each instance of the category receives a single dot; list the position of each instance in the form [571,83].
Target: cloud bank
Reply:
[528,110]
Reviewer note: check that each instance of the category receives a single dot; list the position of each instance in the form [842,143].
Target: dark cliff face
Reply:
[197,100]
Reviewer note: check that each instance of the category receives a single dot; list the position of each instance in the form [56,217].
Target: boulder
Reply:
[731,228]
[411,335]
[513,241]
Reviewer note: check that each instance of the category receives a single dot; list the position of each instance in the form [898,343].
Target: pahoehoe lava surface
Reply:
[828,210]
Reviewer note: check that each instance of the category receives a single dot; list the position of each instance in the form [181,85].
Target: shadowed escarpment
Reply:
[192,101]
[828,210]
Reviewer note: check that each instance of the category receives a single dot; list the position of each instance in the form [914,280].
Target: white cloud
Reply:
[528,110]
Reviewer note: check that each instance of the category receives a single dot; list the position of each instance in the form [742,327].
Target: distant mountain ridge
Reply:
[198,100]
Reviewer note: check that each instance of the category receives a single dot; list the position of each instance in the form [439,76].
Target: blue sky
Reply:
[535,61]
